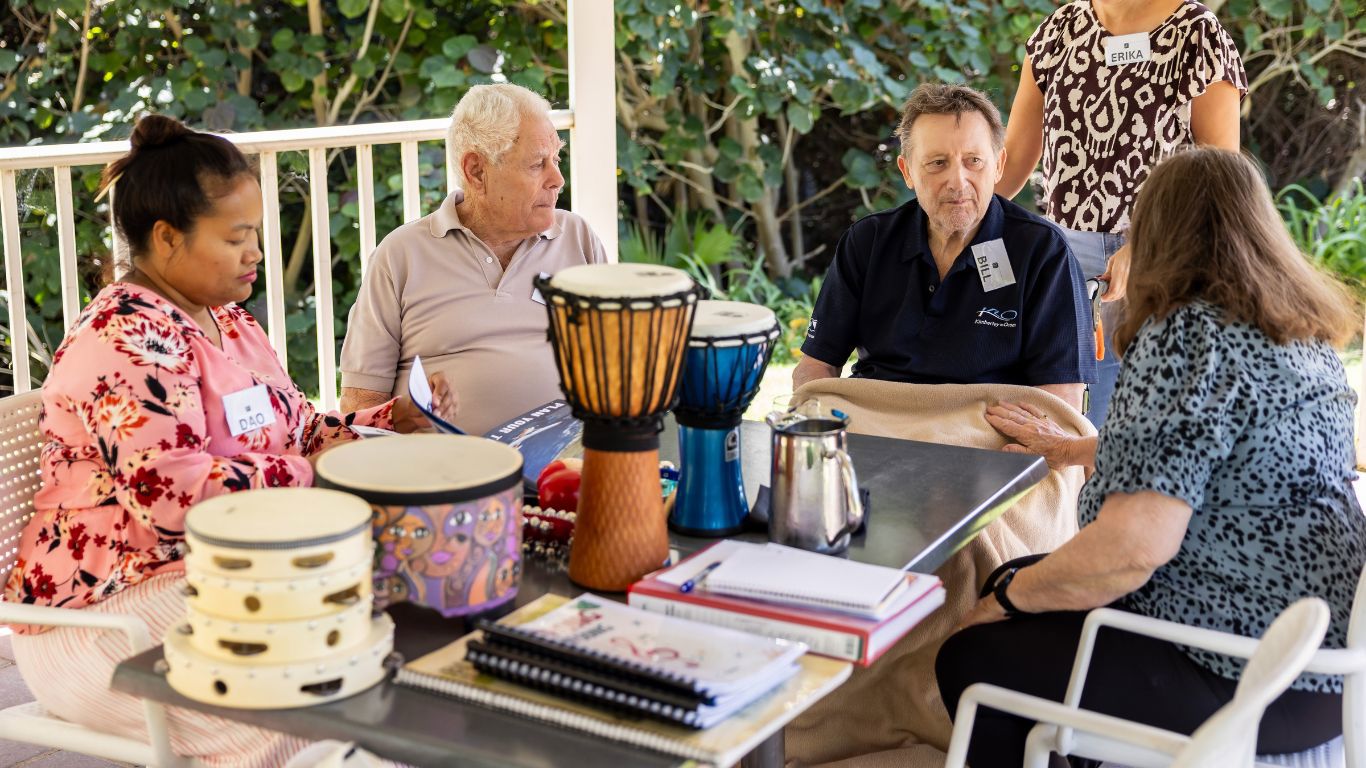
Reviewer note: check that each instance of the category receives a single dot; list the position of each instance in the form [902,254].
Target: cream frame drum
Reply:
[619,332]
[446,516]
[277,585]
[728,351]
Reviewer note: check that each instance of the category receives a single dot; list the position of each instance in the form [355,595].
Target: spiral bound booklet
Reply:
[747,707]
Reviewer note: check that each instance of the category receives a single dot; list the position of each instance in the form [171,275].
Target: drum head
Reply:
[421,469]
[722,319]
[277,518]
[621,281]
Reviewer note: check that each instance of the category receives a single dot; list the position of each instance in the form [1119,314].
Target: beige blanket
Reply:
[890,714]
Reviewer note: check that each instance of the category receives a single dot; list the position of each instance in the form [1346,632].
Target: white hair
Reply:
[487,120]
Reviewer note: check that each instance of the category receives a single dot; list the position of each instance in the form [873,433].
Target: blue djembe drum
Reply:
[728,350]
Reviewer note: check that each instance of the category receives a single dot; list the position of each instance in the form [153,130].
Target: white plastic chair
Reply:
[1227,739]
[1347,751]
[20,445]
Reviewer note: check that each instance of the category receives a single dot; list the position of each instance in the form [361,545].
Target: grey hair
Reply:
[487,120]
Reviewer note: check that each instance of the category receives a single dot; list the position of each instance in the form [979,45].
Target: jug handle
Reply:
[853,507]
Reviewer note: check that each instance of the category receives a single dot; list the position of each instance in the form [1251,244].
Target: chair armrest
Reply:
[1219,642]
[1045,711]
[42,615]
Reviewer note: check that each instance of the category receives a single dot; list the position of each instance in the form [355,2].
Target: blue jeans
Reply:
[1093,251]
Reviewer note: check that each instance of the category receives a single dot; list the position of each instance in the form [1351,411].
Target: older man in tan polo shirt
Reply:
[455,287]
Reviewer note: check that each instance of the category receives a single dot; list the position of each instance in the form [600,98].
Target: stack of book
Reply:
[669,667]
[840,608]
[626,660]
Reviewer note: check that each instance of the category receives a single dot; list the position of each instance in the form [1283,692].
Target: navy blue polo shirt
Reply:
[883,297]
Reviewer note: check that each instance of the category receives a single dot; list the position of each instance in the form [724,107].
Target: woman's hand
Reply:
[1117,274]
[986,611]
[1035,433]
[409,418]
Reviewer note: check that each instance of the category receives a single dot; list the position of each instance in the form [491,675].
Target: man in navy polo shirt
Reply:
[959,286]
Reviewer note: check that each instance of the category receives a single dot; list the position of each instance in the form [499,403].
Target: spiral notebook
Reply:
[780,574]
[453,671]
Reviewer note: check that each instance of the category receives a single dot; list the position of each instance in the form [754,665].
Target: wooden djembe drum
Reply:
[619,332]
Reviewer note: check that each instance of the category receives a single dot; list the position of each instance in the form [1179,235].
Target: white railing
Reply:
[590,120]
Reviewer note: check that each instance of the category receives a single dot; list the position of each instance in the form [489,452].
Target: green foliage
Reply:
[1332,233]
[762,126]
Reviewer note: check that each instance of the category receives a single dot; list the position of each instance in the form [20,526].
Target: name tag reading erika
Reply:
[1127,49]
[248,409]
[993,265]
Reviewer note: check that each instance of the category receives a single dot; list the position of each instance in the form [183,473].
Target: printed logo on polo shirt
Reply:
[811,329]
[997,318]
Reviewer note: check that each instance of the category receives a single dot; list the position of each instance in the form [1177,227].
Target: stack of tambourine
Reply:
[278,601]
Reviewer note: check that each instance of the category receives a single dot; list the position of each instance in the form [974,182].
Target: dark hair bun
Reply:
[155,131]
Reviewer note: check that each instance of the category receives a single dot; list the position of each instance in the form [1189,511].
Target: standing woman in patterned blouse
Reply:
[140,422]
[1107,89]
[1222,484]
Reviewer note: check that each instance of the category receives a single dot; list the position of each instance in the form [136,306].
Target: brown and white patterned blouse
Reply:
[1106,126]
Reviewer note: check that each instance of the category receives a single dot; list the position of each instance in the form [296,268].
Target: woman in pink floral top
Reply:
[162,395]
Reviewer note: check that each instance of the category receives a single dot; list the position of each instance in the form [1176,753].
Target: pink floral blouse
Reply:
[136,432]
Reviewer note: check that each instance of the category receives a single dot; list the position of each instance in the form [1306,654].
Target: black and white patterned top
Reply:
[1105,126]
[1257,438]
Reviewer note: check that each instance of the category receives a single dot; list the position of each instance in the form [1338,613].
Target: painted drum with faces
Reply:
[446,515]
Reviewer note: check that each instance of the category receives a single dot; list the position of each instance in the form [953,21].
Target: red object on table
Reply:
[557,487]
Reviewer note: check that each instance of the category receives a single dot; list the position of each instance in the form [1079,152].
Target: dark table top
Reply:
[927,501]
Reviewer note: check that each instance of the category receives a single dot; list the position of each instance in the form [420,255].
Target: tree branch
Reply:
[85,58]
[349,85]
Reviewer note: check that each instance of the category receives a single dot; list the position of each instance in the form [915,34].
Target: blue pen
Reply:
[692,583]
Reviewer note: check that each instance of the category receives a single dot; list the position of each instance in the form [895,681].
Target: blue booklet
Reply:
[543,434]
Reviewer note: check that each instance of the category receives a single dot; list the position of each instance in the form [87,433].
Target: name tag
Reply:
[993,265]
[536,292]
[248,409]
[1127,49]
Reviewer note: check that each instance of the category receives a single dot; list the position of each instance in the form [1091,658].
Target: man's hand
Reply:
[1117,273]
[409,418]
[810,369]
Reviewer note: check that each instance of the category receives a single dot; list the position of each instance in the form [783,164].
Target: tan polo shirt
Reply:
[434,289]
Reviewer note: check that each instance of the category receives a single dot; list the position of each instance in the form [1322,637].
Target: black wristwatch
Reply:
[1000,592]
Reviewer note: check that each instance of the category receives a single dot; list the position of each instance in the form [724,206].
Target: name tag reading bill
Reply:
[993,265]
[1127,49]
[248,409]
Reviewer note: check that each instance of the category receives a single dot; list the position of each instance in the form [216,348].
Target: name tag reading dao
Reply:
[993,265]
[248,409]
[1127,49]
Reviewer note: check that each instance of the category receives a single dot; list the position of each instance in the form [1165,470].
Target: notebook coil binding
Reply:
[566,685]
[554,716]
[635,667]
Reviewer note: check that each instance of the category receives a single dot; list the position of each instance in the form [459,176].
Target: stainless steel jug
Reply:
[815,502]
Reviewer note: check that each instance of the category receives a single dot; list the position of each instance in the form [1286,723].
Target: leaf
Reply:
[353,9]
[799,117]
[282,40]
[9,60]
[155,387]
[155,408]
[292,80]
[456,47]
[749,186]
[88,579]
[1277,9]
